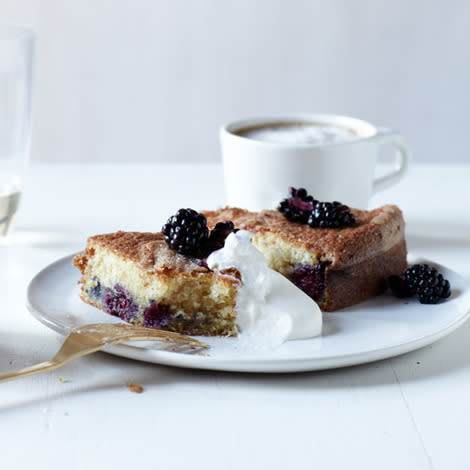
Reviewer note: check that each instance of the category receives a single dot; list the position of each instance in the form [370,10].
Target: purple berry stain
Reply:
[119,302]
[156,315]
[310,279]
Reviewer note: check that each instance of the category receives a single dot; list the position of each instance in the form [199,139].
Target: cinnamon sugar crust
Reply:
[373,232]
[148,250]
[150,253]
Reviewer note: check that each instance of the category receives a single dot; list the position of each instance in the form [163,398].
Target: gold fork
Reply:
[91,338]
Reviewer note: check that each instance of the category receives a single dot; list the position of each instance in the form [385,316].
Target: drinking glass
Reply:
[16,71]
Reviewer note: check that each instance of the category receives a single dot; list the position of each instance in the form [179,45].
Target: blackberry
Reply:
[400,287]
[218,235]
[298,206]
[330,215]
[428,283]
[186,232]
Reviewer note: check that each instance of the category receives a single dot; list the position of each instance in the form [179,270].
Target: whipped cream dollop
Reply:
[269,306]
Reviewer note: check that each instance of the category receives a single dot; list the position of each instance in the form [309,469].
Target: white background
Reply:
[152,80]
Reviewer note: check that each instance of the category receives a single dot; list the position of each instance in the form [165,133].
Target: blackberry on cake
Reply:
[217,236]
[330,215]
[186,232]
[303,208]
[298,206]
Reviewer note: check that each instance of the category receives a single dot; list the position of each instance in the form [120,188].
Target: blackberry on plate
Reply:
[298,206]
[218,235]
[400,287]
[186,232]
[330,215]
[421,279]
[428,283]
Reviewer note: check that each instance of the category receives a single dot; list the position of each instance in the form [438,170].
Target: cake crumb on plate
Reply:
[135,388]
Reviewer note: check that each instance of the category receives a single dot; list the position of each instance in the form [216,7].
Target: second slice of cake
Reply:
[337,267]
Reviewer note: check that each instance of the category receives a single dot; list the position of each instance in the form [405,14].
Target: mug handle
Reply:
[402,162]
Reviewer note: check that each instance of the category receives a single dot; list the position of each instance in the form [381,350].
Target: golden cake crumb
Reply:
[135,388]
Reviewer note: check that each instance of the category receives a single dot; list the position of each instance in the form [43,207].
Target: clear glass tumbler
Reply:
[16,75]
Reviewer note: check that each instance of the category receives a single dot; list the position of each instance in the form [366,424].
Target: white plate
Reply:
[376,329]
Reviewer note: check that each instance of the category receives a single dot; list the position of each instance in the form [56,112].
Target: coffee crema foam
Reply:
[298,133]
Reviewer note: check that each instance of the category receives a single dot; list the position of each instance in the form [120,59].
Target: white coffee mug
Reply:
[258,173]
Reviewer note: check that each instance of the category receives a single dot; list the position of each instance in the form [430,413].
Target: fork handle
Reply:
[32,370]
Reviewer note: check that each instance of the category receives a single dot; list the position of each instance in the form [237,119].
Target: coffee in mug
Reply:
[299,133]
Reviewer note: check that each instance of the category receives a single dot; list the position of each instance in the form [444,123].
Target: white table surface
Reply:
[409,412]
